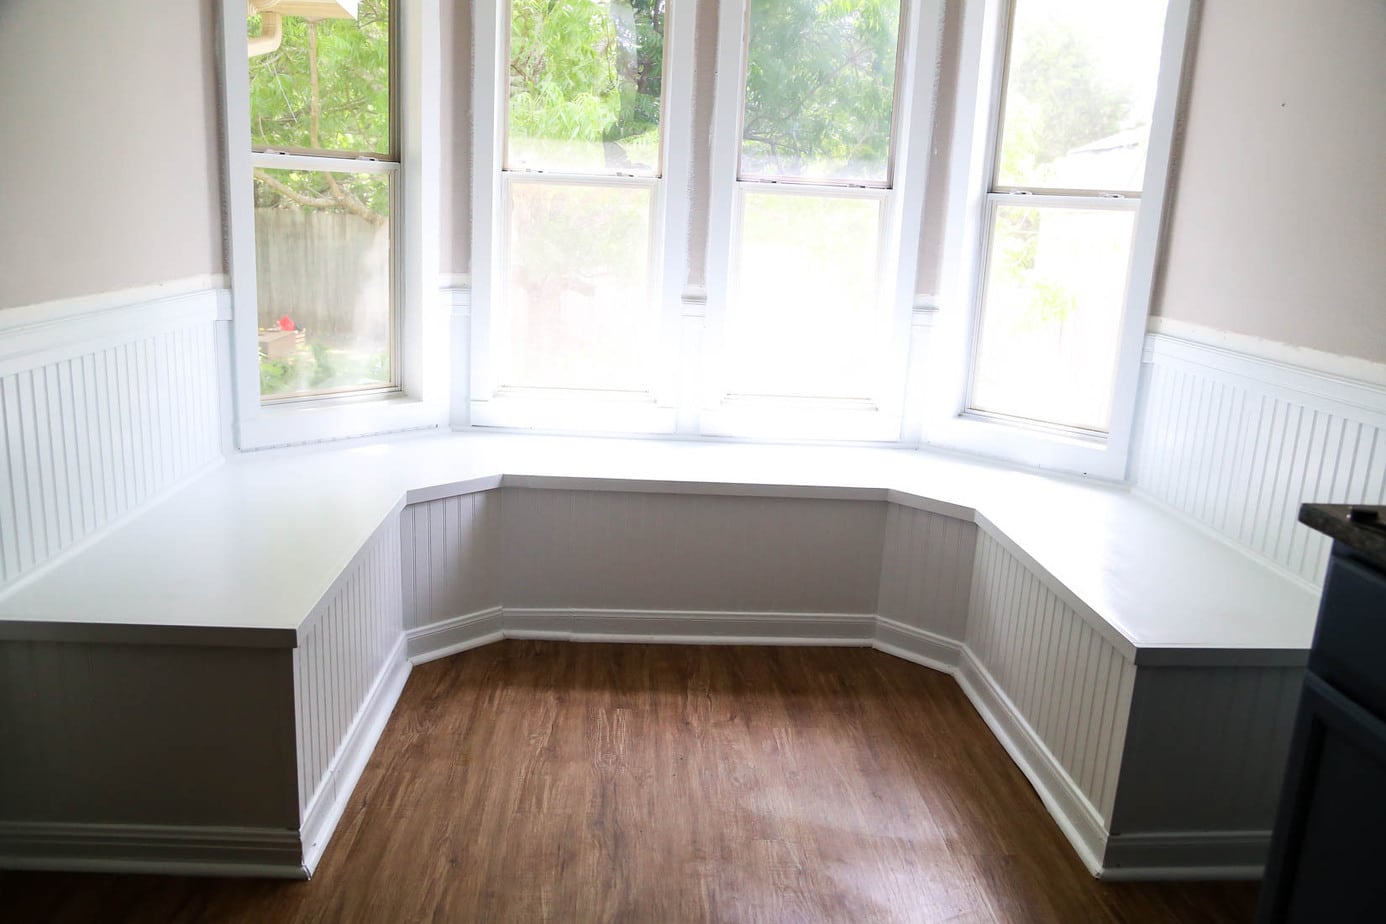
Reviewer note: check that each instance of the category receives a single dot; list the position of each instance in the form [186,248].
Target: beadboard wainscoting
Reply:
[1067,694]
[108,403]
[349,669]
[182,750]
[1235,437]
[1055,689]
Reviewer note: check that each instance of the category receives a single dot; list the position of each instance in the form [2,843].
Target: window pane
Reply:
[1051,315]
[585,85]
[803,318]
[820,89]
[325,84]
[1080,86]
[322,259]
[578,286]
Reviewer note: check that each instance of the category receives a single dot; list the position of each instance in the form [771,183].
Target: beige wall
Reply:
[455,199]
[1279,222]
[108,120]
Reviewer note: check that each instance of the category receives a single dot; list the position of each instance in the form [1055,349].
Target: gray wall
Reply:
[1279,222]
[108,116]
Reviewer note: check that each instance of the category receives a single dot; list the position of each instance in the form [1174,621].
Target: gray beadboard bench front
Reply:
[198,689]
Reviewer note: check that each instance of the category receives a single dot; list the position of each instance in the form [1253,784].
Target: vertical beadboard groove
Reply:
[346,647]
[926,570]
[1064,680]
[1206,748]
[94,430]
[1238,443]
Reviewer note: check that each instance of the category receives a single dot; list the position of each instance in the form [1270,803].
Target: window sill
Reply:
[275,425]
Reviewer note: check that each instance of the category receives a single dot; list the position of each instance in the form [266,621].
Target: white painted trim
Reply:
[55,331]
[1269,365]
[456,635]
[690,628]
[1295,357]
[1079,820]
[321,817]
[919,646]
[175,850]
[1186,855]
[66,309]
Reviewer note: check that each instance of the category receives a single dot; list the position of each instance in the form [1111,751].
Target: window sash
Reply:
[501,353]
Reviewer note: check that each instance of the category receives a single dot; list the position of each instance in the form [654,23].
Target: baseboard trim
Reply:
[691,627]
[1070,809]
[456,635]
[917,646]
[1186,855]
[321,817]
[185,850]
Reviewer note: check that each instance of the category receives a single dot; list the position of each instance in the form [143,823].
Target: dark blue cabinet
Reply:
[1328,854]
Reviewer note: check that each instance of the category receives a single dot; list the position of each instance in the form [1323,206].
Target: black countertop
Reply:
[1362,528]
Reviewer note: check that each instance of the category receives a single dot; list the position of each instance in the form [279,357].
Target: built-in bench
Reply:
[199,688]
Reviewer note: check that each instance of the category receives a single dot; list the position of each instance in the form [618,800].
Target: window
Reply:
[808,292]
[575,240]
[330,115]
[1054,240]
[1069,168]
[325,161]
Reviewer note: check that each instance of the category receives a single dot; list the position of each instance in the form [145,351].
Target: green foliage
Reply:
[1057,99]
[585,73]
[353,75]
[326,88]
[820,87]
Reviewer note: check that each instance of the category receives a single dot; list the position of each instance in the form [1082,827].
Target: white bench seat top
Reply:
[243,554]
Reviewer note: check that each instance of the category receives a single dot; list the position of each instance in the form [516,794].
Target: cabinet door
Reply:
[1330,835]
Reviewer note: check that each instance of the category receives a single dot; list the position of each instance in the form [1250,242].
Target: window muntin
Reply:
[325,177]
[1060,211]
[580,196]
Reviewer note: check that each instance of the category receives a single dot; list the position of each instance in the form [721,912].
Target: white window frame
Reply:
[879,418]
[491,403]
[420,355]
[947,421]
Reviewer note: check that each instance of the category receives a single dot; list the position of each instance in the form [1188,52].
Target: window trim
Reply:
[947,421]
[418,399]
[488,402]
[881,418]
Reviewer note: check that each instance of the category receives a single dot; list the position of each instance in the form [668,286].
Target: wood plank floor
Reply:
[535,781]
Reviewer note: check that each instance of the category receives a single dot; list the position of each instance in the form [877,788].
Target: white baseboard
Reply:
[321,817]
[186,850]
[1186,855]
[691,628]
[456,635]
[918,646]
[1075,815]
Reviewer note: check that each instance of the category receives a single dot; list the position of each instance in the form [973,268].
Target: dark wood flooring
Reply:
[531,781]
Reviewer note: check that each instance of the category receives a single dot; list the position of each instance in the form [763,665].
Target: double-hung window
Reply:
[573,215]
[1061,242]
[808,295]
[330,111]
[325,160]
